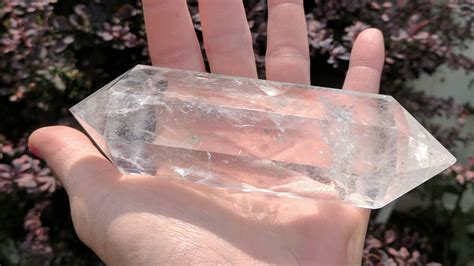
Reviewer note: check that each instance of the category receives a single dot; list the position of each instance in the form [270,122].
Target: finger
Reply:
[366,65]
[287,57]
[73,158]
[227,38]
[365,69]
[171,37]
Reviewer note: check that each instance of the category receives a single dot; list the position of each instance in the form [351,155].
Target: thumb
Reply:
[86,175]
[73,158]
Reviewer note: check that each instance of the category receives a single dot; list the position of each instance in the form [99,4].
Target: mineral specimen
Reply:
[256,136]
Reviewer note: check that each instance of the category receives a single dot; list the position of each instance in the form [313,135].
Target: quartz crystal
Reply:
[263,137]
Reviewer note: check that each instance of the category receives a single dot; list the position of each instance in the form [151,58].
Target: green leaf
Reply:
[467,201]
[449,200]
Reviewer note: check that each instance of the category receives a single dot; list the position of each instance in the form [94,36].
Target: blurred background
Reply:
[54,53]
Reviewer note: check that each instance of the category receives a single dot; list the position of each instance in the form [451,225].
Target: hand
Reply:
[146,220]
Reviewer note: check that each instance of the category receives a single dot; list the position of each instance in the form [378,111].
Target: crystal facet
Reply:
[256,136]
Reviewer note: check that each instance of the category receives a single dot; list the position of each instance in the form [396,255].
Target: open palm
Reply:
[143,220]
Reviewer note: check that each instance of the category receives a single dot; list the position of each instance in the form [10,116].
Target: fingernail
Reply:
[33,150]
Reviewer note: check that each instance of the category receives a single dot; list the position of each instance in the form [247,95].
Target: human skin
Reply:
[148,220]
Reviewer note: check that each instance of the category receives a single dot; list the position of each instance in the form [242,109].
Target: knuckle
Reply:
[290,52]
[273,3]
[173,56]
[227,41]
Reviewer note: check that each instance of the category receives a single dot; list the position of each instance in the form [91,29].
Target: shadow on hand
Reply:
[164,217]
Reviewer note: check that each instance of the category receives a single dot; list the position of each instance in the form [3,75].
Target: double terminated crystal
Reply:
[259,136]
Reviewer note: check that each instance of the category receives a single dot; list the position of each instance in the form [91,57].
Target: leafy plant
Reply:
[392,246]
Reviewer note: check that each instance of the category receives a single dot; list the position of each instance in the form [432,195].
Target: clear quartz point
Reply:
[256,136]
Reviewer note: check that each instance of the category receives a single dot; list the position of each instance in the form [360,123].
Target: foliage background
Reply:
[54,53]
